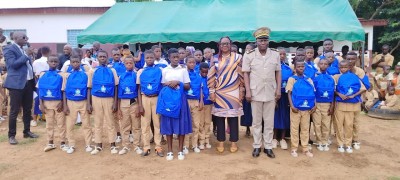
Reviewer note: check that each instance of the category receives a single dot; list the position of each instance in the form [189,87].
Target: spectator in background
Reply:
[3,39]
[11,41]
[96,49]
[66,56]
[383,59]
[345,50]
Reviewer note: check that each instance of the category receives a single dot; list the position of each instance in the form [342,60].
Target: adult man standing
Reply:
[20,83]
[96,49]
[66,56]
[383,59]
[262,77]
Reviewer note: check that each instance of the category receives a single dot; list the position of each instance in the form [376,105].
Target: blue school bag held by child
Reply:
[70,68]
[324,88]
[333,67]
[169,101]
[150,80]
[195,86]
[127,86]
[50,86]
[303,95]
[103,82]
[286,74]
[348,84]
[76,87]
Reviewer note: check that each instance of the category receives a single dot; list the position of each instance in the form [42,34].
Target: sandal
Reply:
[159,152]
[220,147]
[146,152]
[233,148]
[294,153]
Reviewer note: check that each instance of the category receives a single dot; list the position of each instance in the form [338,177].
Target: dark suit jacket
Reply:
[16,67]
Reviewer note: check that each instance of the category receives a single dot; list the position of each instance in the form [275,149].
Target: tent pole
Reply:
[362,55]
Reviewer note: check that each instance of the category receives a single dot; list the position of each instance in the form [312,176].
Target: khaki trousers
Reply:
[117,122]
[149,104]
[130,122]
[344,124]
[80,107]
[54,118]
[356,126]
[302,120]
[196,116]
[322,122]
[205,123]
[263,110]
[102,110]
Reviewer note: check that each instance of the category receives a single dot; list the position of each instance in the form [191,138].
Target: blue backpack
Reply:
[206,92]
[103,82]
[333,68]
[119,67]
[160,65]
[169,101]
[310,70]
[348,84]
[286,73]
[150,80]
[325,88]
[127,85]
[70,68]
[76,87]
[195,86]
[303,95]
[50,86]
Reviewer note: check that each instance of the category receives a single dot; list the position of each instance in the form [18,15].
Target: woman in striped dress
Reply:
[225,81]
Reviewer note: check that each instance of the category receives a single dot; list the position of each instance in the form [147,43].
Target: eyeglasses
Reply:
[225,44]
[25,37]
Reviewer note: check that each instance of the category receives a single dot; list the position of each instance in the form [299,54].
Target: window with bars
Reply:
[72,37]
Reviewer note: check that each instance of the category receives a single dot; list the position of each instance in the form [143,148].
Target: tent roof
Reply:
[209,20]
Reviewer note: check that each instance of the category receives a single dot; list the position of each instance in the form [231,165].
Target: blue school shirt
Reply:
[206,92]
[195,85]
[140,64]
[310,69]
[197,67]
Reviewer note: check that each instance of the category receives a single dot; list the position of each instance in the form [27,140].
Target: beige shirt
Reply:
[392,102]
[383,81]
[388,61]
[262,73]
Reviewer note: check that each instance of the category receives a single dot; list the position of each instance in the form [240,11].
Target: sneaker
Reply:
[340,149]
[356,145]
[138,150]
[208,146]
[88,148]
[326,147]
[2,118]
[114,150]
[123,151]
[64,147]
[309,154]
[185,150]
[349,149]
[170,156]
[294,153]
[201,147]
[118,139]
[320,147]
[131,138]
[181,156]
[283,144]
[96,150]
[274,143]
[196,150]
[49,147]
[33,123]
[71,150]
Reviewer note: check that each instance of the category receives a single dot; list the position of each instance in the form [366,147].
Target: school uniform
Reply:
[346,111]
[369,97]
[205,121]
[149,79]
[396,83]
[303,98]
[282,111]
[181,122]
[120,68]
[127,93]
[365,81]
[193,96]
[391,102]
[324,86]
[75,86]
[383,81]
[49,85]
[102,81]
[388,61]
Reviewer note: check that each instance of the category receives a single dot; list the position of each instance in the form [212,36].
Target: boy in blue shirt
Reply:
[205,121]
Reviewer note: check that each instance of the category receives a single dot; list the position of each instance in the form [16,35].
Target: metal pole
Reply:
[362,56]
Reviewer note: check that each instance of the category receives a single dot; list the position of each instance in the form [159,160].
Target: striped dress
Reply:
[225,79]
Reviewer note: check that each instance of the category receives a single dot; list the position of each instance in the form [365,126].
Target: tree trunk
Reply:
[394,48]
[384,3]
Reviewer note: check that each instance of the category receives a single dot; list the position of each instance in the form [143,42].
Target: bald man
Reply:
[66,56]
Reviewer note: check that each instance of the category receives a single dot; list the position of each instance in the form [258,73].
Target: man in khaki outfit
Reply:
[262,76]
[383,59]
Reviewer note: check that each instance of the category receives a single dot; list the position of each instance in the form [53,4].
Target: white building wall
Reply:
[50,28]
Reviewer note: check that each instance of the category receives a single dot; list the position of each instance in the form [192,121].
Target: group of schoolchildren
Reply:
[125,100]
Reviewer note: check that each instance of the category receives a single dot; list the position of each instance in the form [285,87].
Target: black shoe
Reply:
[79,124]
[269,153]
[256,152]
[152,140]
[159,152]
[12,140]
[30,135]
[248,132]
[146,153]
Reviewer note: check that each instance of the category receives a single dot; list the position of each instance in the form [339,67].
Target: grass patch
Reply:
[394,178]
[4,167]
[3,138]
[28,141]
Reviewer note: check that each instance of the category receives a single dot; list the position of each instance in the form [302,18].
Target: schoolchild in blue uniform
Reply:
[282,111]
[128,108]
[301,93]
[195,104]
[324,86]
[50,95]
[310,68]
[333,63]
[103,82]
[198,56]
[205,121]
[76,101]
[173,105]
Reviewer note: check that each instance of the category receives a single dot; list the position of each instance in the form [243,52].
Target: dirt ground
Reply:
[377,159]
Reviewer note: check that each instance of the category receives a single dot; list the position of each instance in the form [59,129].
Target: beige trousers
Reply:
[263,110]
[102,110]
[196,116]
[205,124]
[149,104]
[302,120]
[76,107]
[322,122]
[129,123]
[54,118]
[344,124]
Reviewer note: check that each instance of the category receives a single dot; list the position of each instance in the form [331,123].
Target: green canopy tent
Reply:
[209,20]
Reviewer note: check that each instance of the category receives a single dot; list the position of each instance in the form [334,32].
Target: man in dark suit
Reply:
[20,84]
